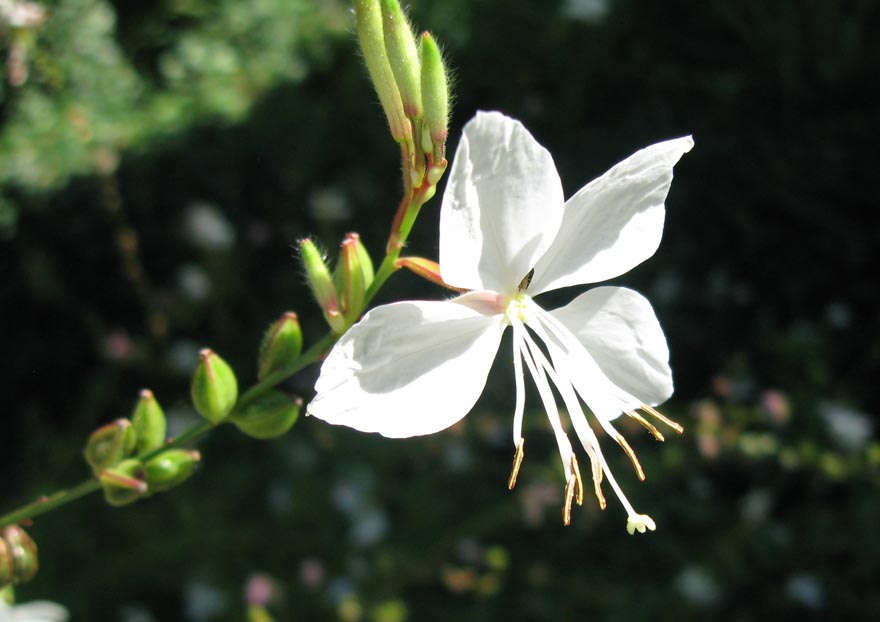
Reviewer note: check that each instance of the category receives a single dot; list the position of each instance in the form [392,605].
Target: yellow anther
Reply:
[576,473]
[597,482]
[517,461]
[656,413]
[570,487]
[632,455]
[647,425]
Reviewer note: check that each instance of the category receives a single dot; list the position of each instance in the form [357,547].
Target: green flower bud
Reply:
[271,415]
[371,34]
[149,423]
[321,284]
[281,345]
[170,468]
[7,564]
[109,444]
[25,562]
[124,483]
[214,389]
[355,276]
[403,55]
[435,97]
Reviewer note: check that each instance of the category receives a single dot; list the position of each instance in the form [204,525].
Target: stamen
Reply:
[647,425]
[517,461]
[632,455]
[597,483]
[672,424]
[576,473]
[570,486]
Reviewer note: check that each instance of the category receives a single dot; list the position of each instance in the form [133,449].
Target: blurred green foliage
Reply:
[162,158]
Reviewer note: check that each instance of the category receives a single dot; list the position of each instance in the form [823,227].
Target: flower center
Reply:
[518,308]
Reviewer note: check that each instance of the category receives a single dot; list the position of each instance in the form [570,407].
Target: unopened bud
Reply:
[23,552]
[281,345]
[170,468]
[403,55]
[214,389]
[355,273]
[7,564]
[109,444]
[149,423]
[271,415]
[321,284]
[435,95]
[124,483]
[371,34]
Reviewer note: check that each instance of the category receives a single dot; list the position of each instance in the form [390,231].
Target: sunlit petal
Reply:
[613,223]
[501,208]
[408,369]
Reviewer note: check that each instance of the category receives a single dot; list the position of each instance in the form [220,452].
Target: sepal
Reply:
[435,98]
[124,483]
[214,388]
[321,284]
[109,444]
[170,468]
[403,56]
[355,274]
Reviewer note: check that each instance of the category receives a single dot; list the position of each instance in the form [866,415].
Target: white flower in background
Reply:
[506,235]
[35,611]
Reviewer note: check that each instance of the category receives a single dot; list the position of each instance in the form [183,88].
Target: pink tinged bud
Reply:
[148,421]
[321,284]
[124,483]
[282,345]
[368,16]
[18,548]
[214,388]
[435,96]
[425,268]
[403,55]
[109,444]
[270,416]
[170,468]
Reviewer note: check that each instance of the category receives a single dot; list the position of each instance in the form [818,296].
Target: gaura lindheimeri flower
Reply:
[506,235]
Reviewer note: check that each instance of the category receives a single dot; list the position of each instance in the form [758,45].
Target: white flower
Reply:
[506,235]
[35,611]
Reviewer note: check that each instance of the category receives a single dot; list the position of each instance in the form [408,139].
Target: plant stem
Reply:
[47,504]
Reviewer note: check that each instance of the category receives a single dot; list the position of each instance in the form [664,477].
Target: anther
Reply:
[632,455]
[656,413]
[597,482]
[517,461]
[570,486]
[576,473]
[647,425]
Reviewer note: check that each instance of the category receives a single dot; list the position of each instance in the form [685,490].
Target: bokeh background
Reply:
[158,162]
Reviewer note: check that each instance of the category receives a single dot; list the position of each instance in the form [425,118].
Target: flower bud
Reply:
[149,423]
[109,444]
[281,345]
[371,34]
[355,271]
[435,97]
[400,46]
[7,564]
[23,551]
[425,268]
[271,415]
[170,468]
[321,284]
[214,389]
[124,483]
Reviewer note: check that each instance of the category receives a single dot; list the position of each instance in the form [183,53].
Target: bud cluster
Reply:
[411,81]
[341,295]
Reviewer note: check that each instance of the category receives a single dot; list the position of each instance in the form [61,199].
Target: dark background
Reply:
[161,161]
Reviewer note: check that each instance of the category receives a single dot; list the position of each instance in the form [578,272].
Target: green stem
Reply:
[47,504]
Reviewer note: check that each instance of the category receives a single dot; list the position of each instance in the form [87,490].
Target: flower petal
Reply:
[613,223]
[501,208]
[407,369]
[618,328]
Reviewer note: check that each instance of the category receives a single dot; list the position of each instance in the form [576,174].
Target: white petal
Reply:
[501,208]
[613,223]
[407,369]
[618,328]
